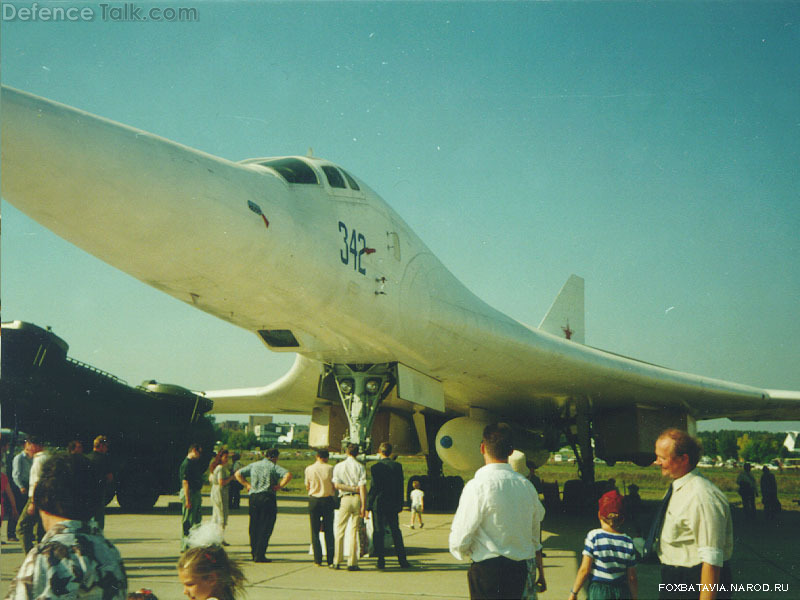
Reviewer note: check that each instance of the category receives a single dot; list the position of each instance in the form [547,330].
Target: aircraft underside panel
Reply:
[641,426]
[420,389]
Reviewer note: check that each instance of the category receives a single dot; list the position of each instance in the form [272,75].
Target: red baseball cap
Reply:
[610,503]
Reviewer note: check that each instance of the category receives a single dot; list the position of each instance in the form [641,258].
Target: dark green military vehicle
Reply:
[45,392]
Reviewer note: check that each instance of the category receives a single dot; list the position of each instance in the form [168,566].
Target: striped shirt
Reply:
[612,554]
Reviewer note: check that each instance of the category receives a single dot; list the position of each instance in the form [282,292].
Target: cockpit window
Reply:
[334,177]
[351,181]
[292,170]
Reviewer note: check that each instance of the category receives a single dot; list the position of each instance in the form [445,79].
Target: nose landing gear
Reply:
[361,390]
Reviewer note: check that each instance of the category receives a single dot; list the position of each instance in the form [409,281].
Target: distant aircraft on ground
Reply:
[389,343]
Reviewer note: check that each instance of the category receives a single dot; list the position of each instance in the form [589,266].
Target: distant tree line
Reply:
[235,440]
[238,440]
[750,446]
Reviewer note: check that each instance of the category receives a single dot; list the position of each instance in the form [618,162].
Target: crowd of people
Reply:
[56,508]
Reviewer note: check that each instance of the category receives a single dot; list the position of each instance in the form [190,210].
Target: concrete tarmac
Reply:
[766,555]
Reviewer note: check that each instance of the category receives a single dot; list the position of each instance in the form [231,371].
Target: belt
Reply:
[500,559]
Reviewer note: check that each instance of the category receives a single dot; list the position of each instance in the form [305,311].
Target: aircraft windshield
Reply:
[292,170]
[335,178]
[351,181]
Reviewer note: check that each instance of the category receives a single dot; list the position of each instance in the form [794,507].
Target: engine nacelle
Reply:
[458,444]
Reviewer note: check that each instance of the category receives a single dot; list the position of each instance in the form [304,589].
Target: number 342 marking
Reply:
[355,244]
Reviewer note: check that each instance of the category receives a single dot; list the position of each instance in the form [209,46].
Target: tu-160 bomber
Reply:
[388,343]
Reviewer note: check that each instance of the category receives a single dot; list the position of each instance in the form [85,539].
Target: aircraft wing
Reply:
[294,393]
[783,407]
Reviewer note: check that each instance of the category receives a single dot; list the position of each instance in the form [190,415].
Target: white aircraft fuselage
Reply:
[311,259]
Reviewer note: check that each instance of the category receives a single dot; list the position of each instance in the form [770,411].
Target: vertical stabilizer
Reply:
[565,317]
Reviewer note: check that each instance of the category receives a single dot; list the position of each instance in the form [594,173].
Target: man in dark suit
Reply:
[386,501]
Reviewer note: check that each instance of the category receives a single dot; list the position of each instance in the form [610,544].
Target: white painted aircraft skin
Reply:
[179,220]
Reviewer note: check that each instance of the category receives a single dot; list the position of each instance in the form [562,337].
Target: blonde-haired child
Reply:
[417,497]
[208,573]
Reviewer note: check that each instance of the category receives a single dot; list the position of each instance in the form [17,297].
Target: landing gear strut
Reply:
[580,439]
[361,390]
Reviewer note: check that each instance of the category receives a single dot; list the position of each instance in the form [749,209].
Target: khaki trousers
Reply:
[349,514]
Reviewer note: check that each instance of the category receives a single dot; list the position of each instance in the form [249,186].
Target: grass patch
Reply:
[652,485]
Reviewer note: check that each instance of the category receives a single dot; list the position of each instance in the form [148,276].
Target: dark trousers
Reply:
[497,578]
[749,504]
[100,513]
[674,577]
[234,494]
[320,511]
[383,520]
[263,512]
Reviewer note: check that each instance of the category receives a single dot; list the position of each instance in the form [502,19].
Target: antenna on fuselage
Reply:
[310,152]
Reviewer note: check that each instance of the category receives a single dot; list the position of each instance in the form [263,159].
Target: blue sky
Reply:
[652,148]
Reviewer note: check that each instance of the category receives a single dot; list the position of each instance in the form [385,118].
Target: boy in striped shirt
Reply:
[608,556]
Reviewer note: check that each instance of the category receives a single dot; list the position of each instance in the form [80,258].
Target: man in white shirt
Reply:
[20,476]
[350,478]
[29,527]
[696,538]
[497,522]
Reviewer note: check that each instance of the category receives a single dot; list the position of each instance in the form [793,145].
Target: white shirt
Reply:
[36,470]
[416,497]
[499,514]
[697,526]
[349,472]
